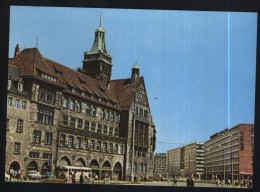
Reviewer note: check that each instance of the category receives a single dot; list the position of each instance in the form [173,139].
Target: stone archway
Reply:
[14,167]
[106,170]
[80,162]
[95,167]
[32,166]
[46,169]
[64,161]
[117,171]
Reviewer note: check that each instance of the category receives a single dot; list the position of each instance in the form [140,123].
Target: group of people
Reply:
[17,174]
[82,179]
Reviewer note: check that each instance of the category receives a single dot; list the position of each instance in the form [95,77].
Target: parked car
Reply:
[33,175]
[7,177]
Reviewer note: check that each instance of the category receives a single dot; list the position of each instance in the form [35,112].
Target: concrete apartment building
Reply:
[229,153]
[186,160]
[160,164]
[58,116]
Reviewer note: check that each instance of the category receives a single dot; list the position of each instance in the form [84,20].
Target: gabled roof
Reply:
[31,63]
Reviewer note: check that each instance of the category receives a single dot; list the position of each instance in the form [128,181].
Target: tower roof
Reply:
[135,66]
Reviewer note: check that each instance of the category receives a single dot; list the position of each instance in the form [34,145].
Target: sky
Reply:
[198,66]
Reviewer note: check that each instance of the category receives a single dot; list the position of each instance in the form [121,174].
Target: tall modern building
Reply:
[186,160]
[160,164]
[229,153]
[57,116]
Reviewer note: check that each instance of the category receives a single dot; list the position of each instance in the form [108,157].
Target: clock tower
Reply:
[97,62]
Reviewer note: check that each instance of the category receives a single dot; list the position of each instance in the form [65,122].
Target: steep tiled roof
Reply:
[30,61]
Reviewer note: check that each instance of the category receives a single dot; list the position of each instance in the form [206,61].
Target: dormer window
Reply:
[9,84]
[20,87]
[73,90]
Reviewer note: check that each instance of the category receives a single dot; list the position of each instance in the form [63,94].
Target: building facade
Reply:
[186,160]
[160,165]
[57,116]
[229,153]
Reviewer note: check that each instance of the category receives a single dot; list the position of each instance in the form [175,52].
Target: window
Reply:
[98,145]
[145,113]
[65,120]
[93,110]
[78,142]
[105,146]
[86,125]
[19,127]
[92,145]
[99,128]
[17,147]
[135,166]
[105,129]
[101,114]
[45,114]
[121,149]
[24,104]
[111,116]
[93,127]
[33,154]
[110,131]
[62,140]
[10,101]
[48,138]
[116,131]
[37,136]
[80,123]
[88,109]
[116,118]
[17,103]
[110,147]
[144,168]
[85,146]
[65,102]
[116,149]
[46,95]
[7,124]
[20,87]
[72,104]
[72,122]
[70,141]
[47,156]
[141,168]
[78,106]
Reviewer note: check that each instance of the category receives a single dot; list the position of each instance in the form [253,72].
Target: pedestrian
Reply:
[74,177]
[69,179]
[81,178]
[188,181]
[174,181]
[108,180]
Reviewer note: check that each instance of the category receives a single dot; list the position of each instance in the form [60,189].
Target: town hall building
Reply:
[57,116]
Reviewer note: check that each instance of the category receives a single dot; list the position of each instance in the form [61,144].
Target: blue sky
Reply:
[199,65]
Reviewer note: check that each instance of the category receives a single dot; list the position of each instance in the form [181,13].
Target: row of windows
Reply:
[141,112]
[85,143]
[142,168]
[46,95]
[19,125]
[17,103]
[83,93]
[36,155]
[45,114]
[89,126]
[37,137]
[91,110]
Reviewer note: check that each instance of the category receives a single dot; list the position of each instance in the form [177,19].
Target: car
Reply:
[34,175]
[7,177]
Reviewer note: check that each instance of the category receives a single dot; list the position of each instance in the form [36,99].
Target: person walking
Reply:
[81,178]
[174,181]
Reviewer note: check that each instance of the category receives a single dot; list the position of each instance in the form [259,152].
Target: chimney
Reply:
[17,50]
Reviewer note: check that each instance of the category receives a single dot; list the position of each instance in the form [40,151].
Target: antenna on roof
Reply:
[100,19]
